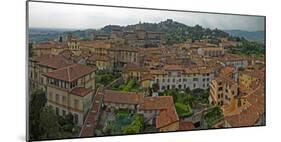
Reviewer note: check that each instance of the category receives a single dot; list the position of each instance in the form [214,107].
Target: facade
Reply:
[121,56]
[133,71]
[211,51]
[70,90]
[175,76]
[44,64]
[232,60]
[224,92]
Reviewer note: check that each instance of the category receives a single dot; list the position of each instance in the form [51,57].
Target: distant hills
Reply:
[175,32]
[257,36]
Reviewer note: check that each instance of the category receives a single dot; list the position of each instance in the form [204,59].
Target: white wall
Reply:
[13,70]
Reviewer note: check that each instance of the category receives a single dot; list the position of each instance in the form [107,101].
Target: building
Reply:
[70,90]
[133,71]
[123,55]
[249,113]
[158,111]
[44,64]
[161,112]
[118,100]
[223,92]
[211,51]
[100,62]
[180,77]
[233,60]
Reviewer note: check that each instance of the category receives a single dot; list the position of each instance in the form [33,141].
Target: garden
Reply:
[104,78]
[130,86]
[125,123]
[213,116]
[186,100]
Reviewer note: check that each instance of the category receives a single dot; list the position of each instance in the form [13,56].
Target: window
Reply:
[75,118]
[57,98]
[57,111]
[76,104]
[51,96]
[184,80]
[63,100]
[194,85]
[179,80]
[163,80]
[173,80]
[195,79]
[168,80]
[63,112]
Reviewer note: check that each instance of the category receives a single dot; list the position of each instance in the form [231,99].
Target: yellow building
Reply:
[246,78]
[133,71]
[70,90]
[223,92]
[100,62]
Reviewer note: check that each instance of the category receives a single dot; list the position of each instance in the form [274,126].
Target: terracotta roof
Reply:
[227,71]
[173,67]
[70,73]
[55,62]
[249,115]
[81,91]
[225,80]
[98,58]
[42,57]
[156,103]
[122,97]
[167,117]
[66,54]
[185,125]
[47,45]
[147,77]
[132,49]
[134,67]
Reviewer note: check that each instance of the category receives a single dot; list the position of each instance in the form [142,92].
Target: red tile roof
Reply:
[122,97]
[81,91]
[134,67]
[156,103]
[70,73]
[55,62]
[186,125]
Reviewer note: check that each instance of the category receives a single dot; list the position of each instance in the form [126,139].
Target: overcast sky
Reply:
[47,15]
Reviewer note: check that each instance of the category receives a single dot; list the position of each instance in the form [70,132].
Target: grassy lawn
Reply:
[183,110]
[130,86]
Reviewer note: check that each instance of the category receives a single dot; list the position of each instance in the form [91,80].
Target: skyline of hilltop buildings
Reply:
[147,77]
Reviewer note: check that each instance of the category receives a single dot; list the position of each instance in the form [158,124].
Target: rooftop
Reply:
[70,73]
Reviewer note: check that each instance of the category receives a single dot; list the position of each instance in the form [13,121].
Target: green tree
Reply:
[49,124]
[36,104]
[136,126]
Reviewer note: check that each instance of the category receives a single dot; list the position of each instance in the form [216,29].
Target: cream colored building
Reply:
[70,90]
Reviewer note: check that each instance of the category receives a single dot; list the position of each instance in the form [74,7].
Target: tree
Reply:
[37,102]
[136,126]
[155,87]
[49,124]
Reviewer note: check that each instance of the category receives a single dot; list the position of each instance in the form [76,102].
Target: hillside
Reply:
[257,36]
